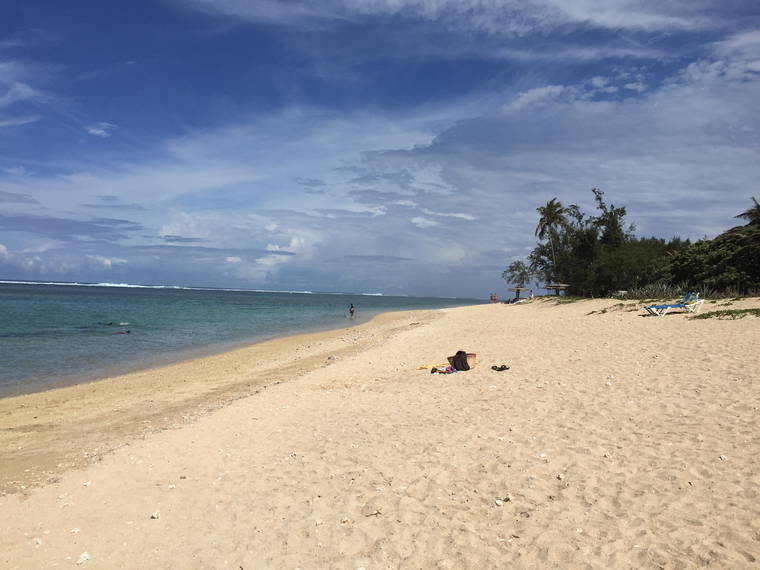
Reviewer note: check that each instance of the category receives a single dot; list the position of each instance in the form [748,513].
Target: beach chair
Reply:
[691,302]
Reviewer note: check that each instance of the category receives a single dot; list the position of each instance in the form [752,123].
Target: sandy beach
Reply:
[614,440]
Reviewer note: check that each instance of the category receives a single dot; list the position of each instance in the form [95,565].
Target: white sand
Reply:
[614,441]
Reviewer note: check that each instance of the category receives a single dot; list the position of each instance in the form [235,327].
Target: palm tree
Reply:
[752,214]
[552,219]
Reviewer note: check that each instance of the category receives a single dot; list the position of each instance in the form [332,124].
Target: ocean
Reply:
[59,334]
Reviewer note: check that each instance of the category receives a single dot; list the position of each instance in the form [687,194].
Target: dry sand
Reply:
[614,441]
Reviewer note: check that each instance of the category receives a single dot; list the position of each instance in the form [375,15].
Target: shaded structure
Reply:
[517,291]
[556,287]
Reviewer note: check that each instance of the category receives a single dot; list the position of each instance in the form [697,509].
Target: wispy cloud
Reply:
[17,92]
[18,121]
[109,202]
[109,229]
[504,17]
[181,239]
[18,198]
[525,98]
[101,129]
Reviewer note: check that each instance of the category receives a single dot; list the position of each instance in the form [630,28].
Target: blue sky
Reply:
[394,146]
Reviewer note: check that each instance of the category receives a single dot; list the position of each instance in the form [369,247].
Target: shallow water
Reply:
[60,334]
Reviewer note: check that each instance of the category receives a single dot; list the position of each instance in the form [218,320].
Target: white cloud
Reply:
[742,44]
[15,87]
[3,252]
[421,222]
[632,14]
[603,84]
[295,244]
[17,92]
[687,147]
[106,262]
[17,121]
[41,245]
[636,86]
[14,170]
[101,129]
[502,17]
[459,215]
[525,98]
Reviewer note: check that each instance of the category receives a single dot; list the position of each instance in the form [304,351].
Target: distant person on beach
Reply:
[351,311]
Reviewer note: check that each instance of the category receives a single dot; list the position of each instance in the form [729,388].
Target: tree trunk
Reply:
[554,259]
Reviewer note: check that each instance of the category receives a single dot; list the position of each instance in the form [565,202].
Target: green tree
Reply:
[610,221]
[517,273]
[751,214]
[553,217]
[598,254]
[730,261]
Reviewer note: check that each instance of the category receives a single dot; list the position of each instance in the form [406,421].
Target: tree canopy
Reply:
[751,214]
[552,219]
[598,254]
[517,273]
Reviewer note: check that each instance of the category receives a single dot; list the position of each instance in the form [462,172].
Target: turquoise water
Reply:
[54,335]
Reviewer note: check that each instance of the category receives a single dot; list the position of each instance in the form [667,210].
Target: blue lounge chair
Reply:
[691,302]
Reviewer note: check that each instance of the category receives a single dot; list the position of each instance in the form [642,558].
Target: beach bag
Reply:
[460,360]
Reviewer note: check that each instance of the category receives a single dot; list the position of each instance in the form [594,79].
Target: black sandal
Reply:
[501,368]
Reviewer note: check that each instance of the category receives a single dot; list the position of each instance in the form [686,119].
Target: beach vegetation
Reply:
[561,300]
[728,314]
[599,255]
[616,307]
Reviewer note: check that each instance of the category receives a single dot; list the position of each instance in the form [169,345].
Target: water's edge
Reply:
[173,358]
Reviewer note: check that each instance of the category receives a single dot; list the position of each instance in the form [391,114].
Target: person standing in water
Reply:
[351,311]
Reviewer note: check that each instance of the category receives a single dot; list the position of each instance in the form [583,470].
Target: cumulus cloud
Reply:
[3,252]
[402,187]
[742,45]
[106,262]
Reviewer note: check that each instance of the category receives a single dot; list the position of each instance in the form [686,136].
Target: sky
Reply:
[377,146]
